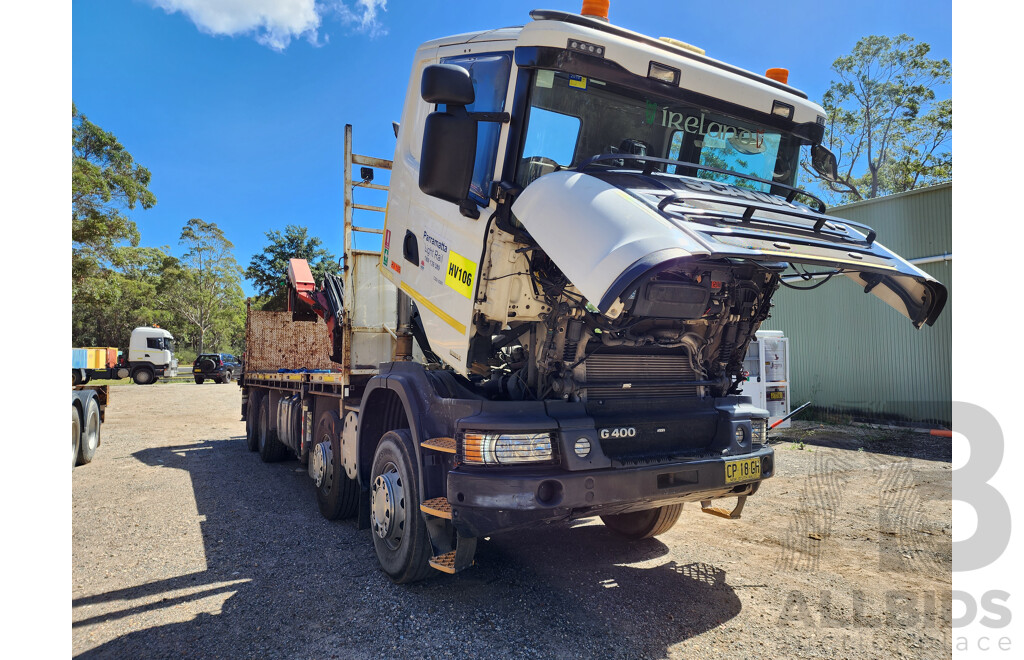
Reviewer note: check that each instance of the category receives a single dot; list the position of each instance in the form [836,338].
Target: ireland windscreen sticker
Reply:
[577,81]
[461,272]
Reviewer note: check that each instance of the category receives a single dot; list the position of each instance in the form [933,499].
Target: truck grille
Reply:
[637,370]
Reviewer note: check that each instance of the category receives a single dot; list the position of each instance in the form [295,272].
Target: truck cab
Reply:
[151,355]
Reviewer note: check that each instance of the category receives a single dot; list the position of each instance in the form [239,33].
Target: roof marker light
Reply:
[665,74]
[782,109]
[595,9]
[778,75]
[683,45]
[585,47]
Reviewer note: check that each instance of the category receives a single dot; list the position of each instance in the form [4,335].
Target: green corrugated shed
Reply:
[850,352]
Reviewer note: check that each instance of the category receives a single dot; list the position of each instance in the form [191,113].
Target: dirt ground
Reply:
[186,545]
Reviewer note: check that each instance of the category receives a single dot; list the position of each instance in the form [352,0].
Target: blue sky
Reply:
[238,108]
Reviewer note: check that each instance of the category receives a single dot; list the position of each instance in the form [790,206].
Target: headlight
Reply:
[480,448]
[759,431]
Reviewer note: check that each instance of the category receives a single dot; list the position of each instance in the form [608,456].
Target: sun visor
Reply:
[625,241]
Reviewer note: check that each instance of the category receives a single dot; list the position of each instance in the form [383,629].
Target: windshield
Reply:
[573,118]
[169,344]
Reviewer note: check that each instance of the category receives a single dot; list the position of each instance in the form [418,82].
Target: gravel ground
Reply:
[186,545]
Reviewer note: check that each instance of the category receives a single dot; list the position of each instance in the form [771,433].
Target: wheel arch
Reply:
[385,407]
[406,395]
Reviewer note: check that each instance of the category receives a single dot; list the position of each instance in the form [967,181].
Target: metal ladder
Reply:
[350,251]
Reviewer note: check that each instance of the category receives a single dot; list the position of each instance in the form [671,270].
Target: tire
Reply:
[252,417]
[76,435]
[206,364]
[644,524]
[200,380]
[271,450]
[401,543]
[90,433]
[337,498]
[219,380]
[143,376]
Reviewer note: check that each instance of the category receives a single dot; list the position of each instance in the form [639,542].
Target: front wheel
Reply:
[644,524]
[398,530]
[143,377]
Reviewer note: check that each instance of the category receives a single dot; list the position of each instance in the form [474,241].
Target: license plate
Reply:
[196,370]
[745,470]
[776,396]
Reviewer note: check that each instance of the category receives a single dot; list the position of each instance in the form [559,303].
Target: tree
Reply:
[206,287]
[105,180]
[268,270]
[110,301]
[112,284]
[883,122]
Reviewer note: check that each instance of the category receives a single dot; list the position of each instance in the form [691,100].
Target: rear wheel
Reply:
[644,524]
[76,435]
[200,380]
[337,496]
[398,530]
[91,434]
[219,380]
[252,420]
[271,450]
[143,376]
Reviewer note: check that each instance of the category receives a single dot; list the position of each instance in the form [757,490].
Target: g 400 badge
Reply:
[620,432]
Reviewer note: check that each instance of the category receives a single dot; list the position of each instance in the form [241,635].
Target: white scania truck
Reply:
[584,230]
[150,356]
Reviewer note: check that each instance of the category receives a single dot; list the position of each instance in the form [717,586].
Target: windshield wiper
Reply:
[650,161]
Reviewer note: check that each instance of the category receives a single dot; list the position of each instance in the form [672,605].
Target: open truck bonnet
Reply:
[641,230]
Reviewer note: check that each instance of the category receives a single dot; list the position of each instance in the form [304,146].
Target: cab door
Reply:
[433,251]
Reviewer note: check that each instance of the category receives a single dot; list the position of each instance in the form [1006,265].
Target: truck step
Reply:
[444,563]
[705,507]
[446,445]
[438,507]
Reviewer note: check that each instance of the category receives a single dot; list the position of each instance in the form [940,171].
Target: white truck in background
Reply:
[150,356]
[584,230]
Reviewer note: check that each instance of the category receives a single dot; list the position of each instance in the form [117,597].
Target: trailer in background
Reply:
[88,411]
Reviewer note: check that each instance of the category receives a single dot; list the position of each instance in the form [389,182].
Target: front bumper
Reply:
[485,501]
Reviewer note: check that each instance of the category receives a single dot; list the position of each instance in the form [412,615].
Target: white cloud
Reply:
[363,15]
[275,23]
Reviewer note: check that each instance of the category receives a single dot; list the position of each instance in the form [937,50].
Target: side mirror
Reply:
[824,163]
[447,84]
[449,136]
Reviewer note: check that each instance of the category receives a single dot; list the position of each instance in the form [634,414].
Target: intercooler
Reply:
[628,375]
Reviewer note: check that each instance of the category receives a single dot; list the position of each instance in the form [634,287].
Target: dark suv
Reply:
[221,367]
